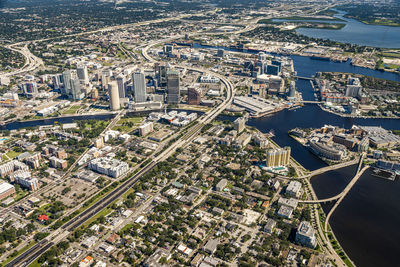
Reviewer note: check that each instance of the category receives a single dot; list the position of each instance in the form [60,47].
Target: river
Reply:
[366,222]
[356,32]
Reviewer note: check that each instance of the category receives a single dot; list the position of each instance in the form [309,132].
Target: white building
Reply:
[108,166]
[26,180]
[294,189]
[145,128]
[10,167]
[305,235]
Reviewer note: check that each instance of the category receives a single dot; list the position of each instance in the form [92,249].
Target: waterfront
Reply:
[307,67]
[356,32]
[363,206]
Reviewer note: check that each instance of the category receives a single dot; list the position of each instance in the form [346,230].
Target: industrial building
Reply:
[255,105]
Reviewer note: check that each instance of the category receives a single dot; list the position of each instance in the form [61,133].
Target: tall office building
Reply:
[139,86]
[168,49]
[194,96]
[272,70]
[121,81]
[173,90]
[83,75]
[76,90]
[106,78]
[67,76]
[162,75]
[57,81]
[114,95]
[239,124]
[278,157]
[72,87]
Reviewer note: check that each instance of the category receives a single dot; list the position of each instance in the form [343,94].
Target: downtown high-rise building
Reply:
[67,76]
[82,73]
[162,75]
[114,95]
[121,81]
[72,86]
[173,90]
[139,86]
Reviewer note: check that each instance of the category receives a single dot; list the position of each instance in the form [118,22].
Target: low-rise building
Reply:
[285,212]
[6,190]
[269,227]
[294,189]
[211,246]
[58,163]
[221,185]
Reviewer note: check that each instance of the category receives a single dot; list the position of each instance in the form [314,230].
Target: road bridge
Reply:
[359,173]
[304,78]
[332,167]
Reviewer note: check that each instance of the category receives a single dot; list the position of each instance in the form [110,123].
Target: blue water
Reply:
[309,20]
[356,32]
[307,67]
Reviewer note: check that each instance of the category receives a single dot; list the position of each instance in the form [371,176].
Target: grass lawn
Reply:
[11,155]
[34,264]
[72,109]
[104,212]
[125,124]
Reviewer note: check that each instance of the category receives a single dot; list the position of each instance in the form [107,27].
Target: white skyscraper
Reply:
[114,95]
[67,76]
[72,87]
[121,81]
[83,74]
[139,86]
[76,91]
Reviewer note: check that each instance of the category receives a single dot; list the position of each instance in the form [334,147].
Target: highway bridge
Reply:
[359,173]
[347,188]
